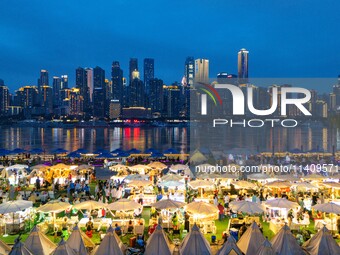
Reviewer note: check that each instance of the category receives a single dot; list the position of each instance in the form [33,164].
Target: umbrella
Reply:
[244,184]
[151,151]
[82,167]
[281,203]
[74,154]
[134,151]
[172,177]
[167,204]
[89,205]
[59,151]
[258,176]
[157,155]
[329,207]
[278,184]
[105,155]
[246,207]
[36,151]
[100,151]
[178,167]
[14,206]
[157,165]
[200,184]
[139,183]
[171,151]
[201,208]
[138,168]
[132,177]
[314,177]
[82,151]
[287,177]
[4,152]
[18,151]
[123,154]
[116,151]
[171,184]
[119,167]
[124,205]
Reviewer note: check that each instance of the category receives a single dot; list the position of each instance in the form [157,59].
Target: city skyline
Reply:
[36,36]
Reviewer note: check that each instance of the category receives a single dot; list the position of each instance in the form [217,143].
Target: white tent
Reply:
[19,248]
[78,241]
[230,247]
[195,243]
[39,243]
[265,249]
[158,243]
[63,249]
[110,245]
[4,248]
[251,240]
[284,243]
[322,243]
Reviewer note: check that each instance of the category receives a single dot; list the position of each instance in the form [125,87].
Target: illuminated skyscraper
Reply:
[117,82]
[56,91]
[81,84]
[189,71]
[89,77]
[64,81]
[202,70]
[4,99]
[243,66]
[156,95]
[133,66]
[46,99]
[149,73]
[98,77]
[43,80]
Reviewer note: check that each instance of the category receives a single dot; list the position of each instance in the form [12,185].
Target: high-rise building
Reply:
[4,99]
[99,102]
[43,80]
[242,64]
[46,99]
[174,102]
[156,95]
[149,73]
[64,81]
[27,98]
[115,109]
[189,71]
[56,91]
[89,77]
[202,70]
[98,77]
[81,84]
[117,82]
[136,94]
[133,66]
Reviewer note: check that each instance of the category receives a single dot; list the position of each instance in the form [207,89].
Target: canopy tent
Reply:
[200,184]
[266,248]
[157,165]
[133,177]
[141,169]
[78,241]
[167,204]
[314,177]
[38,243]
[251,240]
[139,183]
[59,151]
[63,249]
[170,184]
[118,168]
[4,248]
[195,243]
[278,184]
[305,186]
[89,205]
[329,207]
[172,177]
[258,176]
[197,157]
[158,243]
[246,207]
[322,243]
[177,167]
[124,205]
[243,185]
[284,243]
[17,167]
[230,247]
[287,177]
[19,248]
[110,245]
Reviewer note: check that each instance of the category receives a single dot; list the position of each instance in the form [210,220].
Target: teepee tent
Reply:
[195,243]
[78,241]
[63,249]
[19,248]
[251,240]
[230,247]
[197,157]
[158,243]
[4,248]
[39,243]
[322,243]
[111,245]
[265,249]
[284,243]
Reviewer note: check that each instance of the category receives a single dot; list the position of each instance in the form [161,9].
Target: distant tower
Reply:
[202,70]
[149,73]
[133,66]
[189,71]
[243,66]
[98,77]
[43,80]
[117,82]
[81,84]
[89,77]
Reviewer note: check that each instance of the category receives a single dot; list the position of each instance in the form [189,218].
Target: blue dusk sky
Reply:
[291,38]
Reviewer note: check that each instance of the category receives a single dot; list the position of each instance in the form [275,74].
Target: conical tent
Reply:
[111,245]
[284,243]
[158,243]
[19,248]
[63,249]
[78,241]
[251,240]
[195,243]
[322,243]
[39,243]
[265,249]
[230,247]
[4,248]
